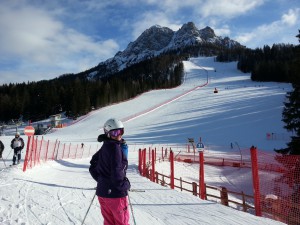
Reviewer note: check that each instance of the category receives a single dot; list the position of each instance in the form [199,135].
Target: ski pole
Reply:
[88,209]
[8,153]
[4,162]
[131,209]
[6,158]
[137,190]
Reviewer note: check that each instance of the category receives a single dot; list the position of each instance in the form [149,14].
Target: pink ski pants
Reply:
[114,210]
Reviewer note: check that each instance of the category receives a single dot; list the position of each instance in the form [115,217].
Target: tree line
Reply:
[77,94]
[269,63]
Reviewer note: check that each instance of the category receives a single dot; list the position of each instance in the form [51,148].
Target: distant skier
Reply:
[17,144]
[108,167]
[1,149]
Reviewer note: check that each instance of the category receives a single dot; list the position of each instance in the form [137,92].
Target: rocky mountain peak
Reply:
[188,26]
[207,33]
[152,39]
[187,34]
[157,40]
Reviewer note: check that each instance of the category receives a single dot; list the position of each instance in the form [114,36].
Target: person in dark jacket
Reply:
[17,144]
[108,167]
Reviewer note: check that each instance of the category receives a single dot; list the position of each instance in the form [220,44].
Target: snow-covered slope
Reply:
[242,111]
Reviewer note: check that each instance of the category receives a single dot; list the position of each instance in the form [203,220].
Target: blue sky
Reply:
[43,39]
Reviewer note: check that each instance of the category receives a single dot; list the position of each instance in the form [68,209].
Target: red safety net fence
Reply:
[279,182]
[39,151]
[275,177]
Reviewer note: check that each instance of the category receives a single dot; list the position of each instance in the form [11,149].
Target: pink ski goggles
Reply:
[116,133]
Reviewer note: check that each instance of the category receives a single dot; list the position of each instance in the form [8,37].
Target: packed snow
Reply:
[242,112]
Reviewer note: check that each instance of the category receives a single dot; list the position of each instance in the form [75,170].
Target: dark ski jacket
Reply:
[108,167]
[1,146]
[18,146]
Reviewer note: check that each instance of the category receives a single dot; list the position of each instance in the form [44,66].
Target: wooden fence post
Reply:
[244,202]
[224,196]
[156,177]
[194,186]
[180,183]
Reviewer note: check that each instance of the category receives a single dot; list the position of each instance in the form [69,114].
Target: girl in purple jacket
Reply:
[108,167]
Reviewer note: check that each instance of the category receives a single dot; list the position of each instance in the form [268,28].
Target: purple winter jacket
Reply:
[108,167]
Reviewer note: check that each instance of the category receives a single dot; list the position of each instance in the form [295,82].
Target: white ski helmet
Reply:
[17,134]
[112,124]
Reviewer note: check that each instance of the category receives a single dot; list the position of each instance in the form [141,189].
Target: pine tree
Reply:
[291,112]
[290,158]
[291,117]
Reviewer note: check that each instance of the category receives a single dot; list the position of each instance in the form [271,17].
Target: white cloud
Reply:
[267,33]
[228,8]
[291,17]
[208,8]
[172,6]
[32,38]
[223,31]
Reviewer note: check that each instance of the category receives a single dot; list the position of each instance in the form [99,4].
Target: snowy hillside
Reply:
[242,112]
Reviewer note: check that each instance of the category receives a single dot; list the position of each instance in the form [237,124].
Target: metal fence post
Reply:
[255,178]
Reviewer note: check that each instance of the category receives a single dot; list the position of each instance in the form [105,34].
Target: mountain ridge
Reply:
[158,40]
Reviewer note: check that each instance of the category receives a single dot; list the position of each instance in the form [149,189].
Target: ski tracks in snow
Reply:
[31,202]
[150,206]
